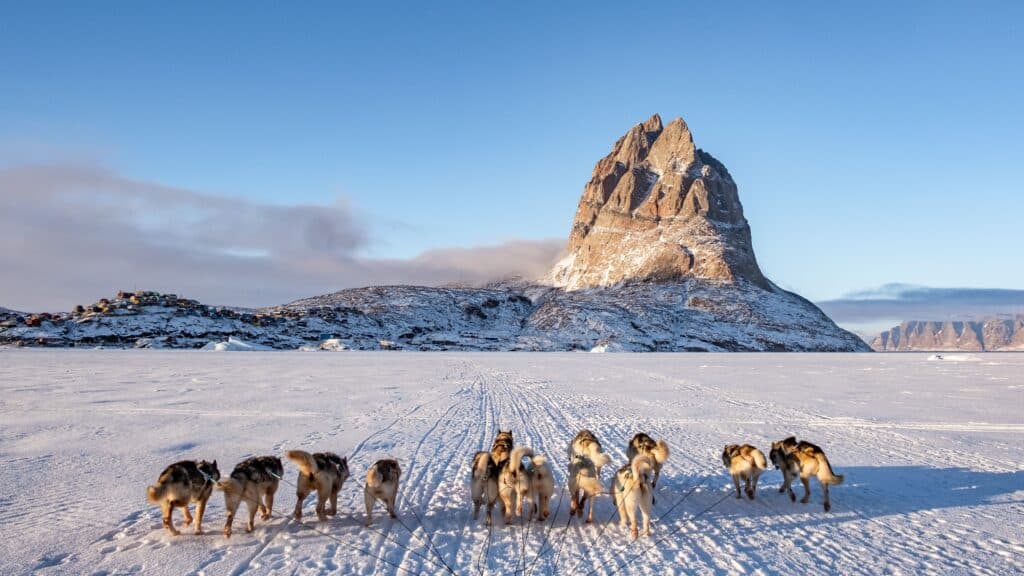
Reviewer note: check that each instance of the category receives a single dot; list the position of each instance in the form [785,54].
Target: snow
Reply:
[931,451]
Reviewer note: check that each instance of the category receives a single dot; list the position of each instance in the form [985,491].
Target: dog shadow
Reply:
[873,492]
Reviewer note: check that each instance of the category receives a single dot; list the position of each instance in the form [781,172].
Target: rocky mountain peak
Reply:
[658,208]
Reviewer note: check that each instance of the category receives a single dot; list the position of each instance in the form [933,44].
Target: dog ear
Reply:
[790,440]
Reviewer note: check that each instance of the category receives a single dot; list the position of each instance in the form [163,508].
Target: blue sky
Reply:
[872,142]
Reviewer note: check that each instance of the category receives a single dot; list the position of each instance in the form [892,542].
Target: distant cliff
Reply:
[993,335]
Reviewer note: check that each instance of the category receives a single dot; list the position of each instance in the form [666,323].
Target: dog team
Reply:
[515,475]
[254,481]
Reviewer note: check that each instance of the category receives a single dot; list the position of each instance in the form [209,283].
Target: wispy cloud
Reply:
[73,233]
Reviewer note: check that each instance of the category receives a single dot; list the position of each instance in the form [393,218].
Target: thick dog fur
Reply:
[807,460]
[181,483]
[744,462]
[483,484]
[584,484]
[525,479]
[502,447]
[382,484]
[253,481]
[632,487]
[586,444]
[324,472]
[658,451]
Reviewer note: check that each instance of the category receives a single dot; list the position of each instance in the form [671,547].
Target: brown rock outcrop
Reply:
[992,335]
[658,208]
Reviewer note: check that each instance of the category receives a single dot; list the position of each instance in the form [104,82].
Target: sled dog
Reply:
[324,472]
[524,480]
[382,484]
[633,486]
[810,461]
[181,483]
[744,462]
[584,484]
[253,481]
[586,444]
[658,451]
[502,447]
[483,484]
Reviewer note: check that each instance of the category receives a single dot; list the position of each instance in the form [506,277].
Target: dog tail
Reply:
[518,453]
[374,478]
[825,475]
[759,460]
[660,452]
[599,458]
[156,493]
[482,465]
[642,467]
[228,485]
[304,460]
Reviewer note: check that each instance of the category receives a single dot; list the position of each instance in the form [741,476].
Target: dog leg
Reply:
[828,503]
[645,509]
[321,505]
[634,532]
[187,521]
[391,503]
[368,499]
[621,505]
[252,506]
[268,508]
[168,510]
[736,481]
[300,496]
[334,502]
[231,507]
[806,481]
[751,484]
[200,510]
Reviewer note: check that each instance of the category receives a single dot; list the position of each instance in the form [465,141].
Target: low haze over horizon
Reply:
[253,154]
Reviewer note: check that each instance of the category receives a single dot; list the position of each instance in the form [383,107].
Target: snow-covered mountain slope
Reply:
[693,315]
[930,452]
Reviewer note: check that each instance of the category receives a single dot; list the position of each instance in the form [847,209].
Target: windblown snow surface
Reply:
[931,450]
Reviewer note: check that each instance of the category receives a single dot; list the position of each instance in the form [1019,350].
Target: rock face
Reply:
[991,335]
[660,260]
[658,208]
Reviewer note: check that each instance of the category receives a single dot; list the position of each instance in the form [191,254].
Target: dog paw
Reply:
[227,533]
[827,507]
[803,500]
[792,497]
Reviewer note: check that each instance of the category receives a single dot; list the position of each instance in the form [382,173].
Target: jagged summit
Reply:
[658,208]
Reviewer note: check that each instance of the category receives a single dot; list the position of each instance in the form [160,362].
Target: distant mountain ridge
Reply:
[991,335]
[660,259]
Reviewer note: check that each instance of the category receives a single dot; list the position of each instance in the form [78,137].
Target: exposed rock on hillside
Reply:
[993,334]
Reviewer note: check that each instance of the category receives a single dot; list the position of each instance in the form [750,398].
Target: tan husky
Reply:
[382,484]
[584,484]
[523,480]
[483,484]
[658,451]
[502,447]
[746,462]
[181,483]
[633,486]
[586,444]
[810,460]
[253,481]
[324,472]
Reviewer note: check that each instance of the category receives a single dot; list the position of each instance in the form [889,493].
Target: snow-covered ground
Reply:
[932,453]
